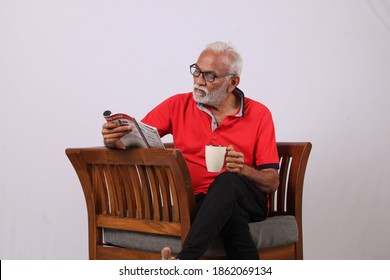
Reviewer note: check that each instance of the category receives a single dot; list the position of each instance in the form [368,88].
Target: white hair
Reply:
[221,47]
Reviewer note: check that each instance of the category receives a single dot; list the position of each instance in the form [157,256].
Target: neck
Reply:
[231,103]
[228,107]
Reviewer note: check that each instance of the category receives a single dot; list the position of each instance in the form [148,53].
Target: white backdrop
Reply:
[322,67]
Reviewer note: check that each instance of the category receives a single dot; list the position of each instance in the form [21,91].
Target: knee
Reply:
[225,181]
[227,177]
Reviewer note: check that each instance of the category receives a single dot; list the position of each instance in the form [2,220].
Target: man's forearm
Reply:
[267,180]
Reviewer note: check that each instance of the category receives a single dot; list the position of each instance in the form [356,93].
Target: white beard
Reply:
[213,98]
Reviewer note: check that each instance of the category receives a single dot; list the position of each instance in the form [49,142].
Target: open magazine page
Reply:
[151,135]
[135,137]
[142,135]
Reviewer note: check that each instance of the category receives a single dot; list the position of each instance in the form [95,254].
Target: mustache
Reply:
[201,88]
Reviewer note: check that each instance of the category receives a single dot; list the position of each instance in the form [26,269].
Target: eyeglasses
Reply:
[207,76]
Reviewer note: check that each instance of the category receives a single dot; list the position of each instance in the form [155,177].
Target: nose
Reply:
[200,80]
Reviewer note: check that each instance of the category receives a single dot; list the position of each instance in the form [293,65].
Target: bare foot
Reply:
[166,254]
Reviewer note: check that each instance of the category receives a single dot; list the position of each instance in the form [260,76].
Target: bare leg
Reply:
[166,254]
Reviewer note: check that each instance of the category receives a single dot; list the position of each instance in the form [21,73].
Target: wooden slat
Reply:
[165,193]
[156,194]
[100,191]
[146,193]
[137,188]
[175,211]
[119,208]
[281,193]
[117,253]
[148,226]
[278,253]
[129,191]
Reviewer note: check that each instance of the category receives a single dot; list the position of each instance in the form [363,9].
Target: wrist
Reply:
[246,171]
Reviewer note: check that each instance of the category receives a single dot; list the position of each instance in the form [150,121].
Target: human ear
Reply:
[234,83]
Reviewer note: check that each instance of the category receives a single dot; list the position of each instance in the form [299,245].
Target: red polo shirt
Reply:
[250,131]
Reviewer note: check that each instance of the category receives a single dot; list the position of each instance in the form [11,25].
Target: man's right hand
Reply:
[112,132]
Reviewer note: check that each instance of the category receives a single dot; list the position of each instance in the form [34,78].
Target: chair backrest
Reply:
[287,200]
[293,156]
[140,190]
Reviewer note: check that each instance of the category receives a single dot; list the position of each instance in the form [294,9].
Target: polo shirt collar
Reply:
[240,93]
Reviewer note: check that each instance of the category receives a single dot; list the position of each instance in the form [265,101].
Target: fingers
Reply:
[114,126]
[112,143]
[112,132]
[234,160]
[235,157]
[230,148]
[114,129]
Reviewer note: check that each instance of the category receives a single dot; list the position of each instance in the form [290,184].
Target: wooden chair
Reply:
[149,192]
[287,200]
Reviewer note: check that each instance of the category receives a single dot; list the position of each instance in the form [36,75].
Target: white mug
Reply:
[215,158]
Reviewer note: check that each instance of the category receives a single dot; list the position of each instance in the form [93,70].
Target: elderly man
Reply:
[218,113]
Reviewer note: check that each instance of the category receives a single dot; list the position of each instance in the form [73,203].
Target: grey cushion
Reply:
[141,241]
[273,232]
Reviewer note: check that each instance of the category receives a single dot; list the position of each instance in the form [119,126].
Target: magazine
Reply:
[141,135]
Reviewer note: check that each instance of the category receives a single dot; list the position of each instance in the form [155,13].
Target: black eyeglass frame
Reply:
[194,67]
